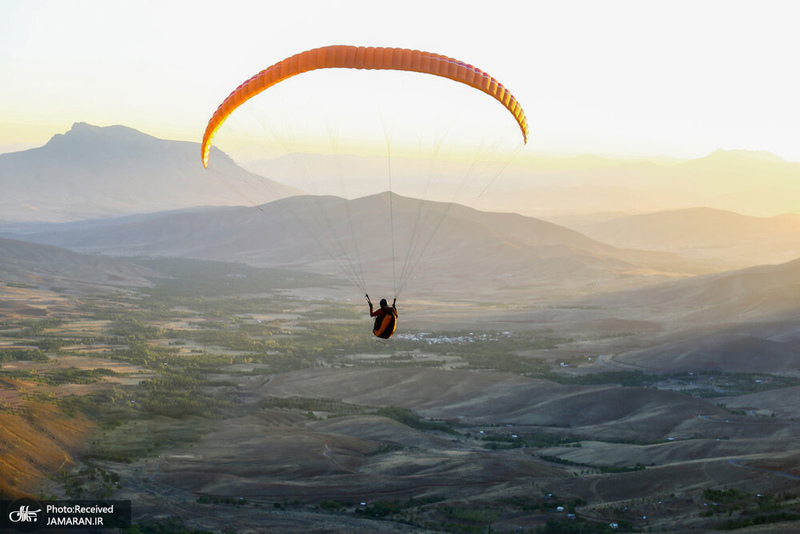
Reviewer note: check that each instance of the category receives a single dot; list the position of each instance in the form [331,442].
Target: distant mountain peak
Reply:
[84,131]
[98,171]
[85,126]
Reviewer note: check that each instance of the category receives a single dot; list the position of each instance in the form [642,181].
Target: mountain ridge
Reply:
[92,171]
[728,239]
[489,249]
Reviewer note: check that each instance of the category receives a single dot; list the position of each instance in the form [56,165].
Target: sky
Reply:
[616,78]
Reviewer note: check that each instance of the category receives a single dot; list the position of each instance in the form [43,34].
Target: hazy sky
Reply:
[678,78]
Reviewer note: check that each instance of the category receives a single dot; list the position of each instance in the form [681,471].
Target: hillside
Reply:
[781,402]
[447,245]
[741,321]
[31,264]
[755,294]
[481,398]
[713,236]
[720,352]
[34,453]
[93,171]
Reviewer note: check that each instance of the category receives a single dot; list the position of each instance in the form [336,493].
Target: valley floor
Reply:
[270,410]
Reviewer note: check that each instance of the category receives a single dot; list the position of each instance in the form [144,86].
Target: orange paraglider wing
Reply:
[359,57]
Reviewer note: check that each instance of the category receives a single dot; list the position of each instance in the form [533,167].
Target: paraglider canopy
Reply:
[360,57]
